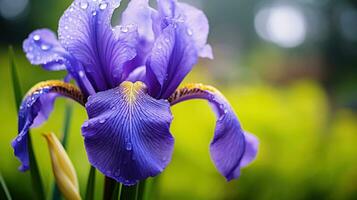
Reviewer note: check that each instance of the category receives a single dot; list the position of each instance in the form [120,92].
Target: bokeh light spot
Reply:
[282,25]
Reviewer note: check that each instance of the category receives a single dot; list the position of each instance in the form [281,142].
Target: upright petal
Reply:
[172,58]
[127,136]
[43,48]
[139,12]
[231,148]
[85,31]
[30,112]
[197,26]
[195,21]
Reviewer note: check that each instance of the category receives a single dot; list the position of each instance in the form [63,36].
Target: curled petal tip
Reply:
[62,167]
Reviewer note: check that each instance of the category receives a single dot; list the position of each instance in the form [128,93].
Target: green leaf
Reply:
[145,188]
[129,192]
[66,124]
[4,189]
[35,174]
[90,184]
[15,79]
[116,191]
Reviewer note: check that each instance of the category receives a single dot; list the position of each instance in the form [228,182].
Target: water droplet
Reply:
[36,37]
[189,32]
[81,73]
[71,9]
[94,13]
[66,27]
[225,111]
[19,138]
[124,29]
[128,146]
[85,124]
[117,173]
[84,5]
[102,121]
[30,56]
[159,46]
[103,5]
[45,47]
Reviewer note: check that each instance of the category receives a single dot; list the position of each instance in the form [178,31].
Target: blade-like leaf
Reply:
[129,192]
[15,79]
[66,124]
[145,187]
[4,189]
[116,191]
[90,184]
[35,174]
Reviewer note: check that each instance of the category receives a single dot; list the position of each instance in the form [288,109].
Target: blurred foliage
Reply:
[301,103]
[307,150]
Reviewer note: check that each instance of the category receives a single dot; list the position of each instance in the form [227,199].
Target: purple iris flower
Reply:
[127,78]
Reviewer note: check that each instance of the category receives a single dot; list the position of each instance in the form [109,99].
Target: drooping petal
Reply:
[127,135]
[251,149]
[85,31]
[231,148]
[172,58]
[30,112]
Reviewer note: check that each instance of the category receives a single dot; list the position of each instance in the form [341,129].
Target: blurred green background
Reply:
[287,67]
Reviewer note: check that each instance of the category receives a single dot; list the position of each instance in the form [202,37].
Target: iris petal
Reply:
[197,26]
[139,12]
[33,112]
[127,135]
[231,148]
[172,58]
[86,32]
[43,48]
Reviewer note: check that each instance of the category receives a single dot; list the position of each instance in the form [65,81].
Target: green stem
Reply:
[66,124]
[111,189]
[35,173]
[142,189]
[116,191]
[129,192]
[4,188]
[90,184]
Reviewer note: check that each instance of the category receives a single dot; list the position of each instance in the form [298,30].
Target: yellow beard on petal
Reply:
[132,90]
[60,87]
